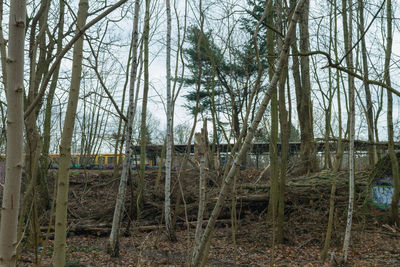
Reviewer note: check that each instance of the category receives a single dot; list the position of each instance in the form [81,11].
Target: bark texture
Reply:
[392,153]
[15,124]
[168,159]
[347,27]
[303,96]
[65,146]
[143,127]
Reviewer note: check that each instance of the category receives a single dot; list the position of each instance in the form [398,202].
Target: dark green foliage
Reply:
[262,135]
[217,71]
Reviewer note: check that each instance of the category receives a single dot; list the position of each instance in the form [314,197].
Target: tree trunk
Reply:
[48,111]
[347,28]
[168,159]
[3,55]
[15,120]
[201,152]
[113,242]
[372,153]
[324,252]
[200,250]
[285,135]
[303,96]
[143,127]
[33,139]
[392,154]
[65,146]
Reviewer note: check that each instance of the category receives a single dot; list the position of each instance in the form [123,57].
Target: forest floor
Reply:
[92,199]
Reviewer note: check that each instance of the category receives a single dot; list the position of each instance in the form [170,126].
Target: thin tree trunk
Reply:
[48,111]
[143,127]
[372,153]
[285,136]
[65,146]
[201,152]
[339,150]
[15,120]
[273,154]
[33,140]
[168,160]
[113,242]
[324,252]
[392,154]
[121,126]
[3,55]
[347,27]
[200,249]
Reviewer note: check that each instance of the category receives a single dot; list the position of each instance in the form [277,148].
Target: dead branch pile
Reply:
[92,199]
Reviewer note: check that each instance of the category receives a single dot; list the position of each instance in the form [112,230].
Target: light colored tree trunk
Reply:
[200,249]
[15,124]
[347,27]
[113,242]
[3,57]
[65,146]
[121,130]
[168,159]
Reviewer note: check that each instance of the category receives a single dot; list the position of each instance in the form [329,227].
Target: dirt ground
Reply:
[91,204]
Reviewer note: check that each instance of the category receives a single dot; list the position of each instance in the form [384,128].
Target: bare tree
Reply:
[200,249]
[143,128]
[113,242]
[348,33]
[168,158]
[65,146]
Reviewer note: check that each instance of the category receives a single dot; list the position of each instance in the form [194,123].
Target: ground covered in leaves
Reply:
[92,198]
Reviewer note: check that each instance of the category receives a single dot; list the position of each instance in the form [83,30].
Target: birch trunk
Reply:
[66,138]
[347,27]
[113,242]
[168,160]
[199,250]
[15,124]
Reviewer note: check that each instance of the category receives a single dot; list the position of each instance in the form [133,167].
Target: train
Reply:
[95,162]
